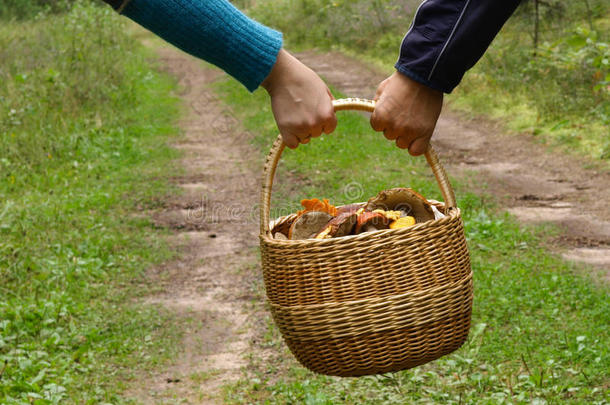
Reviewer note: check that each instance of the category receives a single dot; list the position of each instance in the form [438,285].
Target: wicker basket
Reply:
[372,303]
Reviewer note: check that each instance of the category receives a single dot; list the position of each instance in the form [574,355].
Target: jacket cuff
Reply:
[447,37]
[412,75]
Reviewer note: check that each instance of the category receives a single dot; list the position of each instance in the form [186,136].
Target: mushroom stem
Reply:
[369,228]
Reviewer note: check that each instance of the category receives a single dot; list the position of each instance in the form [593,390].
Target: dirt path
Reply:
[216,235]
[532,183]
[209,286]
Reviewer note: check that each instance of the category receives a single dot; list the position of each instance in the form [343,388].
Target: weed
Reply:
[82,147]
[23,9]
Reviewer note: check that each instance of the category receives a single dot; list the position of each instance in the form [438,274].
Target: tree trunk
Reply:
[536,26]
[589,16]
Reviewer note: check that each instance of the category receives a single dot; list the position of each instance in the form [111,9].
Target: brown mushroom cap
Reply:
[349,208]
[371,221]
[405,200]
[283,226]
[308,224]
[339,226]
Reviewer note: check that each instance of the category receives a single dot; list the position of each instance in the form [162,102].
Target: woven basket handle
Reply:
[344,104]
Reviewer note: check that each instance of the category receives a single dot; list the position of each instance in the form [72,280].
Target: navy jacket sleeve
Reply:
[447,37]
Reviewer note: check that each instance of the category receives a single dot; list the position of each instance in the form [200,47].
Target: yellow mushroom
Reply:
[393,215]
[403,222]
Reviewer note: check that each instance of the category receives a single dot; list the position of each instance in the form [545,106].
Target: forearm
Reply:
[212,30]
[448,37]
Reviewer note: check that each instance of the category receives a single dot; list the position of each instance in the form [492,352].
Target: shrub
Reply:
[22,9]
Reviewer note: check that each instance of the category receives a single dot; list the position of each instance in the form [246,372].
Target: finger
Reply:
[378,93]
[319,130]
[403,142]
[380,89]
[419,146]
[328,116]
[390,134]
[290,140]
[377,121]
[305,131]
[315,132]
[303,138]
[330,124]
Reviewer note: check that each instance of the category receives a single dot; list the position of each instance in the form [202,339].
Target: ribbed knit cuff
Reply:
[215,31]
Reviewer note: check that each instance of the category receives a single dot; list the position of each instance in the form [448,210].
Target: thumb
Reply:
[380,89]
[377,121]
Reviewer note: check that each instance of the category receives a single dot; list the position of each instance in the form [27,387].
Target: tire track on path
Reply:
[216,235]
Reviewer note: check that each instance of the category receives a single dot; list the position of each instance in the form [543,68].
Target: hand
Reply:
[406,111]
[301,102]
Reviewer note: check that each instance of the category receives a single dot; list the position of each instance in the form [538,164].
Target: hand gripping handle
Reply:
[343,104]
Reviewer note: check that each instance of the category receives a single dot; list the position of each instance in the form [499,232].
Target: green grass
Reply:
[541,329]
[82,151]
[562,95]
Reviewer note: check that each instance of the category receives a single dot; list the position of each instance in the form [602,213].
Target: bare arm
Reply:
[301,102]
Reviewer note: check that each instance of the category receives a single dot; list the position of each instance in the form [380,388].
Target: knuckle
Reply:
[376,122]
[402,142]
[390,134]
[300,126]
[329,117]
[310,123]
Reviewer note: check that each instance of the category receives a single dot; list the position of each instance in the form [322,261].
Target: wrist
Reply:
[278,71]
[412,84]
[418,79]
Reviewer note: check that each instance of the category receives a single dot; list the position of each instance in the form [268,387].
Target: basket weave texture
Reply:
[372,303]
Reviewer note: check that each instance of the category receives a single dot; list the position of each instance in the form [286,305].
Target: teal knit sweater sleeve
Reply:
[212,30]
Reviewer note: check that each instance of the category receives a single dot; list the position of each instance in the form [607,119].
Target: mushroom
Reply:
[316,205]
[280,236]
[283,226]
[308,224]
[403,222]
[371,221]
[406,200]
[349,208]
[341,225]
[392,215]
